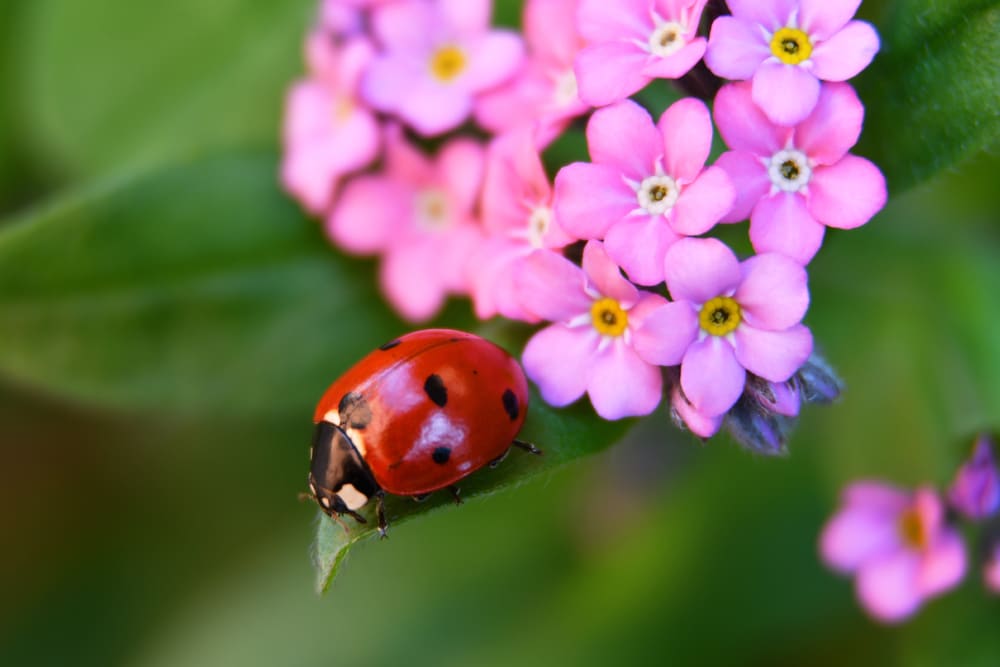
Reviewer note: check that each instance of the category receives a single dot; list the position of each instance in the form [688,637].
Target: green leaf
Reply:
[114,82]
[201,290]
[932,93]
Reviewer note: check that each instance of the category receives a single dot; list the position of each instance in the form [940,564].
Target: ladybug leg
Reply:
[527,446]
[455,491]
[495,462]
[380,511]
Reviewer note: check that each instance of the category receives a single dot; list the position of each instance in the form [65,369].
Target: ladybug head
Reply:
[339,478]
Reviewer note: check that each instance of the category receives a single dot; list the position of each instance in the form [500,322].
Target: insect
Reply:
[415,416]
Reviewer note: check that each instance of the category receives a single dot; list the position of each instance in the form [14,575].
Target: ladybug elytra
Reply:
[413,417]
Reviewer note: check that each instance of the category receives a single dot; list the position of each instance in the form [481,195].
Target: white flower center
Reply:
[538,225]
[658,194]
[789,170]
[565,89]
[432,210]
[667,39]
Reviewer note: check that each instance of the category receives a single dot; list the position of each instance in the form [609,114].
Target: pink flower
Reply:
[898,544]
[793,182]
[438,55]
[417,213]
[976,489]
[686,415]
[632,42]
[589,348]
[518,218]
[544,93]
[991,570]
[727,318]
[787,47]
[646,186]
[327,131]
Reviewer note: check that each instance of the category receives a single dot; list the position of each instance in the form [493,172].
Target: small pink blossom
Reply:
[328,132]
[437,57]
[647,185]
[632,42]
[588,349]
[418,214]
[727,318]
[787,47]
[518,220]
[544,93]
[793,182]
[991,570]
[975,492]
[686,415]
[897,543]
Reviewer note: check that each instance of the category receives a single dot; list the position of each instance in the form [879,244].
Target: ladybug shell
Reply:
[427,409]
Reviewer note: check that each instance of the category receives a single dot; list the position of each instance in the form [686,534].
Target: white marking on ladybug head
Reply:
[351,497]
[312,489]
[357,439]
[325,502]
[333,416]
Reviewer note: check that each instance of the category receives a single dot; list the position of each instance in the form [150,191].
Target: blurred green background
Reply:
[168,318]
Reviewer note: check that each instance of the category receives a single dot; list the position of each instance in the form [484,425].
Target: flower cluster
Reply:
[655,308]
[905,547]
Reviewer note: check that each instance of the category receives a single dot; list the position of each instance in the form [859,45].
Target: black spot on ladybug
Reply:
[454,340]
[510,404]
[354,411]
[388,346]
[441,455]
[436,391]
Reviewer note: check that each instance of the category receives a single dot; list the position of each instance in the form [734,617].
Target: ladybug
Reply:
[413,417]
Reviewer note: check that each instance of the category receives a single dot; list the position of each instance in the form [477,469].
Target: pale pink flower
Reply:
[787,47]
[793,182]
[588,349]
[418,213]
[647,185]
[544,93]
[518,220]
[727,318]
[975,491]
[632,42]
[437,56]
[897,543]
[327,131]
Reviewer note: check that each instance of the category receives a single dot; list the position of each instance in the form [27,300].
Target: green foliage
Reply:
[932,93]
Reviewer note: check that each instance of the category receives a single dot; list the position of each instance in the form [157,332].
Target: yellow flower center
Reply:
[791,46]
[608,316]
[720,316]
[912,530]
[447,63]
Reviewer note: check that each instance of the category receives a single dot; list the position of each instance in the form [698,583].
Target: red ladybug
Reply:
[416,415]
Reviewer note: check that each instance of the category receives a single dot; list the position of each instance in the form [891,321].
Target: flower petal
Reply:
[600,20]
[773,355]
[432,108]
[782,223]
[460,167]
[559,360]
[552,38]
[607,72]
[367,214]
[551,286]
[605,276]
[491,279]
[686,127]
[887,586]
[822,18]
[743,126]
[771,14]
[492,60]
[774,293]
[711,377]
[666,333]
[786,93]
[857,534]
[411,282]
[943,564]
[638,244]
[749,179]
[623,136]
[847,194]
[701,425]
[703,202]
[845,54]
[676,64]
[697,270]
[404,25]
[623,385]
[736,48]
[466,16]
[833,126]
[589,198]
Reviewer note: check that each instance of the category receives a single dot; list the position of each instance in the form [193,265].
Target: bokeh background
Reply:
[168,318]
